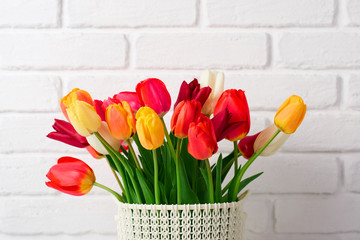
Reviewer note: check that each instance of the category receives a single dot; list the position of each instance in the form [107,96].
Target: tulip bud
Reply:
[83,118]
[65,132]
[235,102]
[152,93]
[202,139]
[215,80]
[275,144]
[75,95]
[185,113]
[192,91]
[106,135]
[290,114]
[71,176]
[121,120]
[246,146]
[149,128]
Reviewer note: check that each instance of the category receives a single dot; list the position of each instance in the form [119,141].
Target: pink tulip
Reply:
[152,93]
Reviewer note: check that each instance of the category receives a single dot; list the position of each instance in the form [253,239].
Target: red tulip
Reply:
[185,113]
[246,145]
[202,139]
[71,176]
[65,132]
[152,93]
[129,97]
[222,124]
[192,90]
[236,103]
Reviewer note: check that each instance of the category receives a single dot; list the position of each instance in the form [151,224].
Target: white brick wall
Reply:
[270,48]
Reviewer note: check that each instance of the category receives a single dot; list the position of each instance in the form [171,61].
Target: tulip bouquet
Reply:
[169,167]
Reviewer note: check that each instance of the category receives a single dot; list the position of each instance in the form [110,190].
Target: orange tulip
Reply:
[149,128]
[74,95]
[185,113]
[290,114]
[71,176]
[121,120]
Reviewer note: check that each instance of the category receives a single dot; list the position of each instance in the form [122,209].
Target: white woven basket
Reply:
[221,221]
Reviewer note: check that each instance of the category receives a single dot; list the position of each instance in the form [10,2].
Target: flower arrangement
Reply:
[171,167]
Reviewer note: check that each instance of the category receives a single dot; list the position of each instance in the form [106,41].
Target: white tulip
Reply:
[265,136]
[105,133]
[215,80]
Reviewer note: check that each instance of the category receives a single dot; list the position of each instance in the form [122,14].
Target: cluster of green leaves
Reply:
[194,178]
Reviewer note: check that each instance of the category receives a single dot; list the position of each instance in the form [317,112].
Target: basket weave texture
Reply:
[221,221]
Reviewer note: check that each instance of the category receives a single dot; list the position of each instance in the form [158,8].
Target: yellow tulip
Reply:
[290,114]
[83,117]
[149,128]
[75,94]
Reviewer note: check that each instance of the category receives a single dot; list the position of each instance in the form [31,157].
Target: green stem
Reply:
[210,179]
[124,163]
[252,159]
[172,150]
[116,176]
[226,188]
[118,196]
[156,178]
[177,166]
[235,157]
[136,160]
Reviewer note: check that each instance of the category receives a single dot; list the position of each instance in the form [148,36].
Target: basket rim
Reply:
[241,200]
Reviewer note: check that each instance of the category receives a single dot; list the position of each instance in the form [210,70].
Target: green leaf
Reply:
[147,192]
[145,158]
[163,193]
[111,162]
[233,186]
[226,165]
[246,181]
[218,179]
[188,195]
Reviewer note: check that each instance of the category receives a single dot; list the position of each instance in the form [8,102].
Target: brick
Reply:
[28,14]
[130,13]
[325,132]
[258,213]
[353,11]
[319,90]
[353,92]
[123,82]
[89,236]
[307,236]
[201,50]
[56,51]
[352,172]
[317,215]
[319,50]
[278,13]
[68,214]
[284,173]
[27,133]
[15,93]
[35,167]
